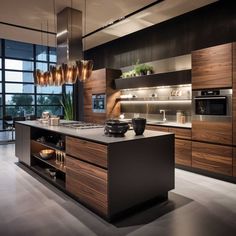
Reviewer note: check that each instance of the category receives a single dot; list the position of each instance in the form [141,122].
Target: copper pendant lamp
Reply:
[85,68]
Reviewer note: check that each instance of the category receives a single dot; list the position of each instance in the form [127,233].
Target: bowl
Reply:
[116,128]
[46,153]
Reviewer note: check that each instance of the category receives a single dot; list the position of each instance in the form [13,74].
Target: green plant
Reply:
[143,69]
[67,104]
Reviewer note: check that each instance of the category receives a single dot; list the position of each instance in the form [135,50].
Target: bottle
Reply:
[178,116]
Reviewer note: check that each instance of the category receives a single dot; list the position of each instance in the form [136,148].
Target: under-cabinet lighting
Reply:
[158,102]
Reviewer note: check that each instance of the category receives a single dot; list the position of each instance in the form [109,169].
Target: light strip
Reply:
[160,102]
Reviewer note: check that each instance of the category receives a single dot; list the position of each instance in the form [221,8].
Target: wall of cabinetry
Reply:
[183,144]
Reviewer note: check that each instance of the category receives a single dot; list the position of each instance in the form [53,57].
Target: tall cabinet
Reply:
[213,146]
[101,84]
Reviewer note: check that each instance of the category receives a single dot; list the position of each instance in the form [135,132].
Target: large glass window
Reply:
[21,97]
[15,49]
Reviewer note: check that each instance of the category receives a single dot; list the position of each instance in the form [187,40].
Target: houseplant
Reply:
[67,104]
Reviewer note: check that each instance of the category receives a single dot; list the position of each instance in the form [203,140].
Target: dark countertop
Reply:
[95,134]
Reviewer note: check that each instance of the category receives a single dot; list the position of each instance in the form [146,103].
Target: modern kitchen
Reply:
[118,118]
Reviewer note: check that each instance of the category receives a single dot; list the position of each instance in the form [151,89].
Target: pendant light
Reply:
[85,67]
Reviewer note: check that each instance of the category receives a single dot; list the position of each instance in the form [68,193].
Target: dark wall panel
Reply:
[211,25]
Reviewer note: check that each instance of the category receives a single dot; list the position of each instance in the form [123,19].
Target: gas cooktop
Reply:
[80,125]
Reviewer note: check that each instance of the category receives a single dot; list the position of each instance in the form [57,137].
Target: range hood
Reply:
[69,36]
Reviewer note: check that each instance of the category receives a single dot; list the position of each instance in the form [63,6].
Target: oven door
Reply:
[211,105]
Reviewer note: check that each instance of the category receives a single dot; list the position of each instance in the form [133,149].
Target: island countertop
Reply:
[94,134]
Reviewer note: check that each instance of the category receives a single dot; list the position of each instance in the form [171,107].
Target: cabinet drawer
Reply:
[234,162]
[88,151]
[212,131]
[181,133]
[183,152]
[212,157]
[88,183]
[157,128]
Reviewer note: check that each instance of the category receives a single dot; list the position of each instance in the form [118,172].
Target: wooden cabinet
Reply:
[212,131]
[101,82]
[157,128]
[234,162]
[22,144]
[94,153]
[183,147]
[181,133]
[212,67]
[88,183]
[212,158]
[183,152]
[234,94]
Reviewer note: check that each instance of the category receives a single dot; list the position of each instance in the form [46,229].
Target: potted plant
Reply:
[143,69]
[67,104]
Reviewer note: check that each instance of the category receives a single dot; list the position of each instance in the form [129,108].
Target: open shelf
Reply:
[58,182]
[153,80]
[49,145]
[51,162]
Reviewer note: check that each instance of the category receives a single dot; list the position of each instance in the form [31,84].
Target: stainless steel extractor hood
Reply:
[69,36]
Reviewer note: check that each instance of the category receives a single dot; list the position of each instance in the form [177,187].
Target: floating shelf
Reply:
[50,145]
[153,80]
[51,162]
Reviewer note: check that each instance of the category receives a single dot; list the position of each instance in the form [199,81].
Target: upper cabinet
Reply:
[212,67]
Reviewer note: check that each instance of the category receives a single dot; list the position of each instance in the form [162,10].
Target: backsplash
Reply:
[147,102]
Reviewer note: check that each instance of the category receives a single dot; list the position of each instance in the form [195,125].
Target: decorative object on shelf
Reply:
[54,121]
[139,125]
[138,70]
[60,157]
[52,172]
[46,153]
[115,128]
[74,69]
[67,104]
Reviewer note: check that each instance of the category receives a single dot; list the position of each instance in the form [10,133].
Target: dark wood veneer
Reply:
[157,128]
[212,131]
[181,133]
[212,157]
[183,152]
[234,162]
[234,94]
[88,183]
[212,67]
[92,152]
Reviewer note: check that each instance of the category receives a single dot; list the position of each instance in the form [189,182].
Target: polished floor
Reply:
[198,206]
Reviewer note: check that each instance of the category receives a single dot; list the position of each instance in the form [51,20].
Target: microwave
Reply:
[99,103]
[212,103]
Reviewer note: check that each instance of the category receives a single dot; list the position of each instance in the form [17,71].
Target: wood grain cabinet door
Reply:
[212,67]
[212,131]
[213,158]
[88,183]
[183,152]
[157,128]
[234,94]
[234,162]
[94,153]
[181,133]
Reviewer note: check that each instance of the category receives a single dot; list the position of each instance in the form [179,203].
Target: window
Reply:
[15,49]
[20,96]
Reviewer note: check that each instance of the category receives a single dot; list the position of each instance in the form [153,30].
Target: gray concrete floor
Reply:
[30,206]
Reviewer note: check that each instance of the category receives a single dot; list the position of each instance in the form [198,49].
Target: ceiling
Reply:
[37,14]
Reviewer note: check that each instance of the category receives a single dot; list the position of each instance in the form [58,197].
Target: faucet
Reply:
[164,115]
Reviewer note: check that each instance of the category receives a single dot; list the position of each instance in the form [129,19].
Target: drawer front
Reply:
[88,183]
[88,151]
[157,128]
[212,131]
[181,133]
[183,152]
[234,162]
[213,158]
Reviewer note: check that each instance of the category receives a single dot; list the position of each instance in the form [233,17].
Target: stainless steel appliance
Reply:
[215,104]
[99,103]
[80,125]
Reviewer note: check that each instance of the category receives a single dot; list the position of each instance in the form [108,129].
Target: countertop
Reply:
[187,125]
[95,134]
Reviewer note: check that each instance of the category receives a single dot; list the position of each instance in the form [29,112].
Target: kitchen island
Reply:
[108,174]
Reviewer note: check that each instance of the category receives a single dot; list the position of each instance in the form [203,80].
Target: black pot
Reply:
[139,125]
[116,128]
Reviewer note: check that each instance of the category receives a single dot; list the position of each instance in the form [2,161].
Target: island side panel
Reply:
[139,170]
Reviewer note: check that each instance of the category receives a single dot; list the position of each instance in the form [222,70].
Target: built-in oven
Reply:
[212,104]
[99,103]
